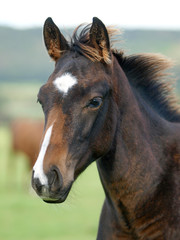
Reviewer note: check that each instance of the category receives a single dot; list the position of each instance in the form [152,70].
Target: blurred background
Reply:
[151,26]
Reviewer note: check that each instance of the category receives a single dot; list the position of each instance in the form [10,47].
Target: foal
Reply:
[102,106]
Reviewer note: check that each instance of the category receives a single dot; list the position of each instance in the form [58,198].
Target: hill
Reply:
[23,56]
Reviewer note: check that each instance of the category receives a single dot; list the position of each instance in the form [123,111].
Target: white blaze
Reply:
[65,82]
[38,167]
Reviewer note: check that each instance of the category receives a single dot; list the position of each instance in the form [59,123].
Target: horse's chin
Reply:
[57,197]
[54,201]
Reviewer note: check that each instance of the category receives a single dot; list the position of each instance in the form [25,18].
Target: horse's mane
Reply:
[147,73]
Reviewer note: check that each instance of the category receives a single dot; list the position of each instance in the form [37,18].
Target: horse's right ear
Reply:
[55,42]
[99,39]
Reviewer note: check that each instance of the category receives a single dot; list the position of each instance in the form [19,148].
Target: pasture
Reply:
[23,215]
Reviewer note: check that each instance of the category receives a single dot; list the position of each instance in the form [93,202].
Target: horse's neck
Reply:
[132,171]
[137,159]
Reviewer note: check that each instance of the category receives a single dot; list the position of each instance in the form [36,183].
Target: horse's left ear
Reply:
[99,39]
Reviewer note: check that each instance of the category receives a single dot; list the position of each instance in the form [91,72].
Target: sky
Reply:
[152,14]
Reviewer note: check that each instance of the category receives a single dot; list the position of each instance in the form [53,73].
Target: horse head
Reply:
[78,105]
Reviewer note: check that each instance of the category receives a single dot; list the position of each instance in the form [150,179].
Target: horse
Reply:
[118,110]
[26,138]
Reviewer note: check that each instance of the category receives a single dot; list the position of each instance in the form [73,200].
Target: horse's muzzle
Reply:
[53,192]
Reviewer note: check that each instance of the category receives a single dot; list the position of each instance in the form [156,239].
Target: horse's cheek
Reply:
[106,137]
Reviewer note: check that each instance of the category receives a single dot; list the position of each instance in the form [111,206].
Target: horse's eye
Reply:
[39,101]
[95,102]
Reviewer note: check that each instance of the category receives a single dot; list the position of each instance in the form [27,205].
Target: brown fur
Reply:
[26,138]
[121,114]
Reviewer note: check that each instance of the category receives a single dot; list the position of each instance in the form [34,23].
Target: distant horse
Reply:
[119,111]
[26,138]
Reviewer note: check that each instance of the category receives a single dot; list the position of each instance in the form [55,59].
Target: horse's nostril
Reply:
[55,178]
[36,184]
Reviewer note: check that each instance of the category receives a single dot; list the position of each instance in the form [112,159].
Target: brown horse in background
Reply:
[26,138]
[119,111]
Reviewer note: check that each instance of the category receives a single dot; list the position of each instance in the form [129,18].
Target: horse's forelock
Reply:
[80,41]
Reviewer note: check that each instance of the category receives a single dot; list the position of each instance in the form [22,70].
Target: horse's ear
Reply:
[55,42]
[99,39]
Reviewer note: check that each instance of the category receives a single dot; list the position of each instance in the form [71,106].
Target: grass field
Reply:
[24,216]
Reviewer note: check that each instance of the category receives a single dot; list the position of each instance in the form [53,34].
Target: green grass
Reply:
[24,216]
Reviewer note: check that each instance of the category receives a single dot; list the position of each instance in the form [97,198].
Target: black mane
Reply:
[147,73]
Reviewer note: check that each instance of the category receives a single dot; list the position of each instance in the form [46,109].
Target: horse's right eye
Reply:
[39,101]
[95,103]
